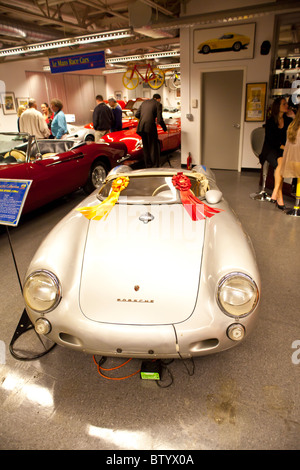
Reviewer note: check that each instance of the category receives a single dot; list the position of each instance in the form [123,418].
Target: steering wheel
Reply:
[158,190]
[17,154]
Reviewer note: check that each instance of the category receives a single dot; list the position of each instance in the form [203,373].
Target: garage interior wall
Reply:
[77,92]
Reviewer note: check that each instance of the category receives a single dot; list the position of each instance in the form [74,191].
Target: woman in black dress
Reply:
[275,138]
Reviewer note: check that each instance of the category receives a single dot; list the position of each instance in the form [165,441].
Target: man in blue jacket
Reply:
[59,124]
[117,112]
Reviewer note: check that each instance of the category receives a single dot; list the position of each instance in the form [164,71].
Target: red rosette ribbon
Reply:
[197,209]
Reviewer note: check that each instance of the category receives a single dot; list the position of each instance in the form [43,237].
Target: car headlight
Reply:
[237,294]
[42,291]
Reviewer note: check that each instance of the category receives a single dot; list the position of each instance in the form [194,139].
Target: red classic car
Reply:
[127,123]
[56,167]
[169,141]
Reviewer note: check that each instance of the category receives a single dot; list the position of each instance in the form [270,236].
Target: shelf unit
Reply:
[280,76]
[285,91]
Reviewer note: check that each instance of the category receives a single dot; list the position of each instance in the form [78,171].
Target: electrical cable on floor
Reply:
[190,373]
[160,383]
[164,364]
[101,369]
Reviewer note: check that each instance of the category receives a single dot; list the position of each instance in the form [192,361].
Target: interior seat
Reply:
[257,141]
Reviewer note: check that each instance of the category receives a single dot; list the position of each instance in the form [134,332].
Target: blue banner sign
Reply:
[12,198]
[92,60]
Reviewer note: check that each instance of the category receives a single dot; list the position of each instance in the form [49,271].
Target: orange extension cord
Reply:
[99,368]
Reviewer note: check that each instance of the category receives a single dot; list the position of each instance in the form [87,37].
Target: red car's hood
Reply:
[129,137]
[127,123]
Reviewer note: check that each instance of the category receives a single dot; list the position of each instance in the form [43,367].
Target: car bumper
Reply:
[141,341]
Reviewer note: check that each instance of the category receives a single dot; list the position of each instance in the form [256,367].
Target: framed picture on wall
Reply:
[22,102]
[8,103]
[225,43]
[118,95]
[255,108]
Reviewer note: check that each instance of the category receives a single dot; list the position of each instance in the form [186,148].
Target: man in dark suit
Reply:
[103,118]
[149,112]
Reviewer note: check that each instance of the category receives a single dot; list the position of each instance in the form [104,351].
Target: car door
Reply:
[174,136]
[55,175]
[227,41]
[170,139]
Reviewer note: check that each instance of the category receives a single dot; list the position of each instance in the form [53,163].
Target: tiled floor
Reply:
[245,398]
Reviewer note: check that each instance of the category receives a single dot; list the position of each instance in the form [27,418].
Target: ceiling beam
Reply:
[157,7]
[236,14]
[41,18]
[101,9]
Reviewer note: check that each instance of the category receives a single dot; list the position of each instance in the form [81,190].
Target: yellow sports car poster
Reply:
[226,43]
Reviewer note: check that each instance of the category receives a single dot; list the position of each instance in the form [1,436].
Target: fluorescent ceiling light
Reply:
[89,38]
[169,66]
[106,72]
[154,55]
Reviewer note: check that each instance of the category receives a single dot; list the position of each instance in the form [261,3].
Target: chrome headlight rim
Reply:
[57,284]
[246,277]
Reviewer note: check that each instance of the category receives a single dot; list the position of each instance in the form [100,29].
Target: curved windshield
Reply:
[16,147]
[152,190]
[13,148]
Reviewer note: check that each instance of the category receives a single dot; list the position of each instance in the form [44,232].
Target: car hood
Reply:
[137,272]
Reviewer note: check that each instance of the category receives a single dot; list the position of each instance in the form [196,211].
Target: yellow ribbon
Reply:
[104,208]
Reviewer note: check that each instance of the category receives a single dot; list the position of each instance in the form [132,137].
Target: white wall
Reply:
[255,70]
[13,77]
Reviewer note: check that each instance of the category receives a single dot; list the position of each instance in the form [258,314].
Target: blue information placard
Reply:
[92,60]
[13,194]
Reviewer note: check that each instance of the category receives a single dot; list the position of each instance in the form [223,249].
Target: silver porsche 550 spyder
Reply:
[153,265]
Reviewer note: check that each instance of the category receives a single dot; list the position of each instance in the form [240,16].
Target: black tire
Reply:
[90,138]
[237,46]
[96,178]
[205,49]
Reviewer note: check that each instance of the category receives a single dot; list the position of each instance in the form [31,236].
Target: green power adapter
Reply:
[151,370]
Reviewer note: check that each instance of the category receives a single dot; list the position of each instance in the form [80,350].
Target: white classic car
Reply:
[153,265]
[81,133]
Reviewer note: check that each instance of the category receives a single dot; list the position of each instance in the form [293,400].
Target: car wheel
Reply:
[97,176]
[237,46]
[90,138]
[205,49]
